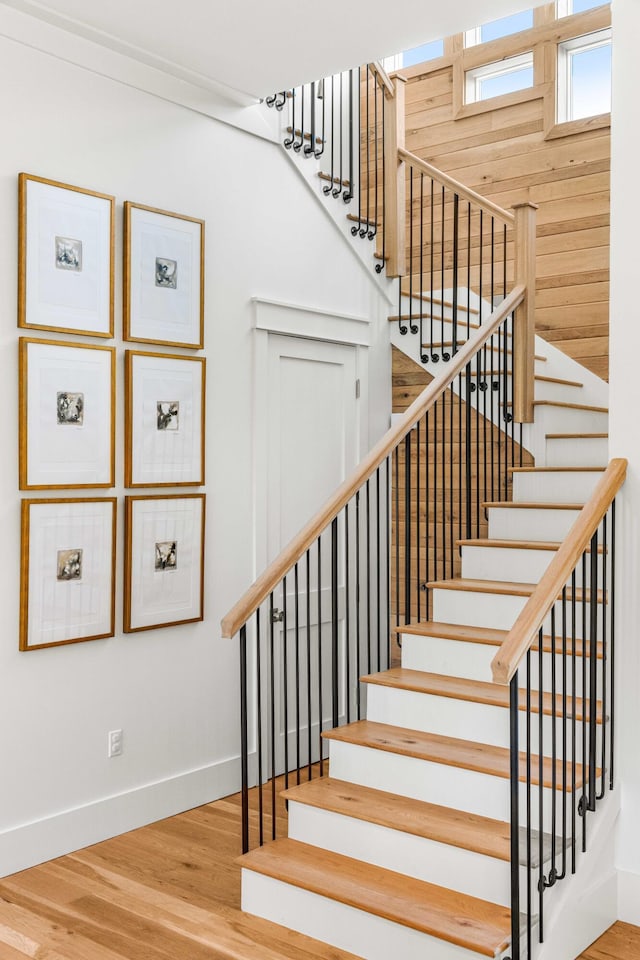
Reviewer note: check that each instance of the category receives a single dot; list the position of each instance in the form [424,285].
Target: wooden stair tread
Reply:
[505,588]
[456,828]
[576,436]
[363,220]
[474,691]
[570,406]
[461,343]
[528,505]
[517,544]
[406,318]
[327,176]
[555,469]
[450,751]
[468,922]
[429,299]
[489,636]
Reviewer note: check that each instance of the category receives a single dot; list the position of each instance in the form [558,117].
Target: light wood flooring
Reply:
[169,891]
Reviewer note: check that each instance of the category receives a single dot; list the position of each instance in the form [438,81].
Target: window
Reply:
[564,8]
[500,28]
[584,76]
[426,51]
[494,79]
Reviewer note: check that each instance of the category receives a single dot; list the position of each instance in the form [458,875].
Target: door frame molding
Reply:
[279,318]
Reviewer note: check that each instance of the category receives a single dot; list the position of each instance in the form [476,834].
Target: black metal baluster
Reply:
[347,612]
[378,582]
[296,618]
[443,509]
[574,703]
[288,142]
[584,798]
[364,229]
[397,529]
[347,196]
[468,492]
[356,227]
[368,562]
[387,554]
[451,492]
[411,324]
[418,565]
[612,643]
[563,873]
[329,186]
[468,270]
[528,796]
[374,227]
[424,356]
[358,646]
[334,622]
[338,190]
[435,490]
[259,726]
[272,712]
[285,678]
[244,739]
[445,353]
[434,356]
[297,146]
[554,745]
[310,147]
[318,152]
[456,201]
[605,598]
[309,703]
[593,668]
[407,528]
[514,712]
[427,503]
[541,881]
[319,630]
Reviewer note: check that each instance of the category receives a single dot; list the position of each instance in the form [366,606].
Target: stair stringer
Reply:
[578,912]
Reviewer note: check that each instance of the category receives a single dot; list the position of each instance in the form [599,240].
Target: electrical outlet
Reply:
[115,743]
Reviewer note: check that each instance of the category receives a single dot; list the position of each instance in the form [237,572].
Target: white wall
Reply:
[625,438]
[172,691]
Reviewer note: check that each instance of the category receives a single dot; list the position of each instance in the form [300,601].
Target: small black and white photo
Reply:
[166,555]
[69,565]
[166,273]
[68,254]
[168,413]
[70,408]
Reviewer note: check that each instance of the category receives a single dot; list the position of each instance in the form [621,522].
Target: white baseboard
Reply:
[629,897]
[32,843]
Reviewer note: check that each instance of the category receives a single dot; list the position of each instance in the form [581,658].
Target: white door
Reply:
[312,446]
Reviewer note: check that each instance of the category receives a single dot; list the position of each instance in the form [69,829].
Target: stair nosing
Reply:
[529,505]
[487,636]
[505,588]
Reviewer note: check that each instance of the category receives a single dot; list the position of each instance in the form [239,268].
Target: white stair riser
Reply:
[552,487]
[498,611]
[513,564]
[450,717]
[440,863]
[552,419]
[577,452]
[560,392]
[472,661]
[505,563]
[363,934]
[439,783]
[514,523]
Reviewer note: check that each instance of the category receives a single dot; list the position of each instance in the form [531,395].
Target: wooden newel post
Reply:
[525,314]
[394,182]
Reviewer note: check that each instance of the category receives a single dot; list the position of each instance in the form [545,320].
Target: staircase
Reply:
[404,848]
[451,818]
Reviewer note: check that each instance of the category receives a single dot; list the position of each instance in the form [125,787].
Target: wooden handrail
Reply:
[296,548]
[443,178]
[525,629]
[384,78]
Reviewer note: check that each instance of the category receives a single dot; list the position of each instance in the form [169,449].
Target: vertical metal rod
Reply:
[285,678]
[443,400]
[468,451]
[427,503]
[397,528]
[387,554]
[563,874]
[374,230]
[541,881]
[296,581]
[272,713]
[368,542]
[334,622]
[435,490]
[411,324]
[309,706]
[593,669]
[452,521]
[554,744]
[358,651]
[515,816]
[319,631]
[337,192]
[528,803]
[603,573]
[574,703]
[384,180]
[418,505]
[407,528]
[445,353]
[378,580]
[363,232]
[354,229]
[584,799]
[347,612]
[424,357]
[434,355]
[311,147]
[612,643]
[259,723]
[456,201]
[244,738]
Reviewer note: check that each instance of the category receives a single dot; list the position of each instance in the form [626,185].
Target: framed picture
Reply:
[164,420]
[67,423]
[163,277]
[164,561]
[67,571]
[66,243]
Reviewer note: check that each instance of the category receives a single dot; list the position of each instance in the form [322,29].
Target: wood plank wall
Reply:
[409,379]
[513,152]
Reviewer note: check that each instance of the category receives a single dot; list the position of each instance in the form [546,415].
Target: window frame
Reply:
[566,50]
[474,77]
[473,37]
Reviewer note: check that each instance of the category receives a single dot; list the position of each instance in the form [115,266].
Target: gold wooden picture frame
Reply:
[164,420]
[164,560]
[66,415]
[67,572]
[163,277]
[66,242]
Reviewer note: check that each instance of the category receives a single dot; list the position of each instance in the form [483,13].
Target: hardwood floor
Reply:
[169,891]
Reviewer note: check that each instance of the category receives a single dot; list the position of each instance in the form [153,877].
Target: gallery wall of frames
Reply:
[67,415]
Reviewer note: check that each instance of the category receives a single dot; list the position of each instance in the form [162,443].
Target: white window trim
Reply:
[473,78]
[566,51]
[564,8]
[473,37]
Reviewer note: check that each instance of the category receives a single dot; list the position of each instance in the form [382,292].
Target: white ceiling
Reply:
[256,47]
